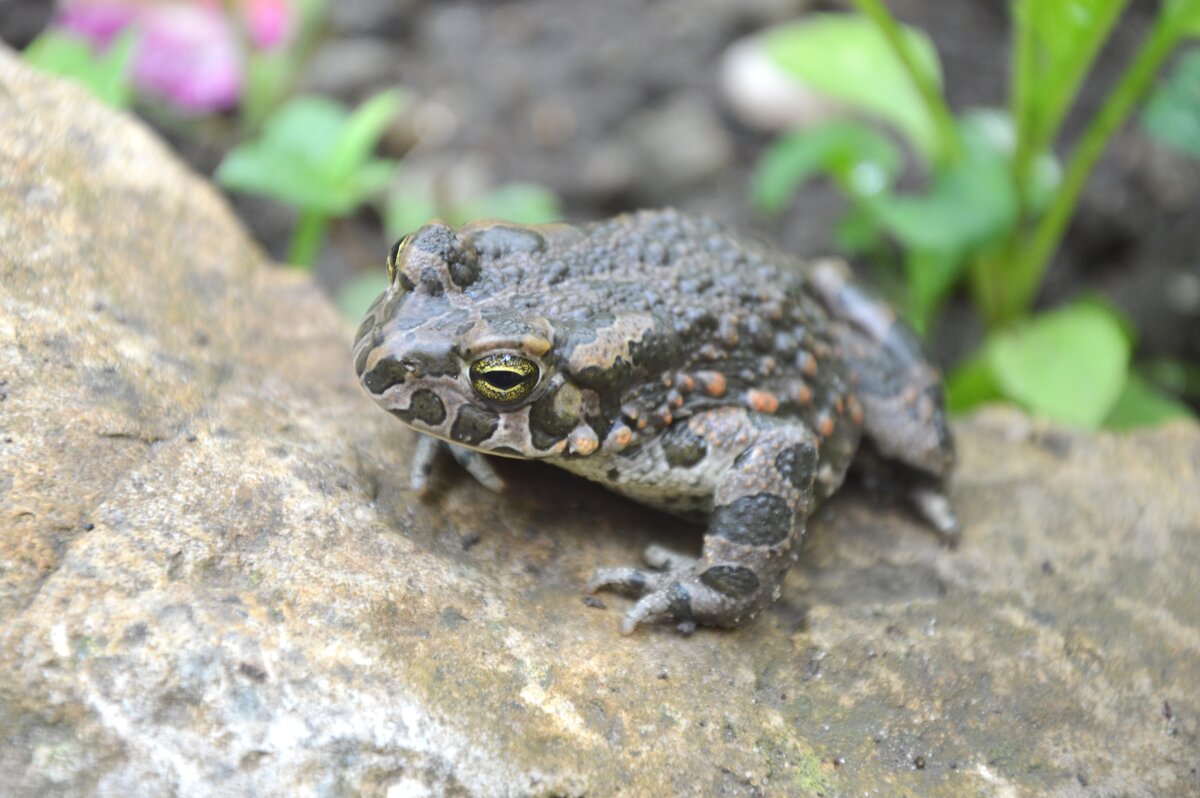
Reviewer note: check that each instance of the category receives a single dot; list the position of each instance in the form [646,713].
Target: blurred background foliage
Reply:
[976,162]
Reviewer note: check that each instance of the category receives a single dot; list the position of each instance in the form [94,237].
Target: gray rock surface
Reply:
[213,580]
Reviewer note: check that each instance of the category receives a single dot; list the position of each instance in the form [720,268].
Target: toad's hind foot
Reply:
[759,510]
[715,597]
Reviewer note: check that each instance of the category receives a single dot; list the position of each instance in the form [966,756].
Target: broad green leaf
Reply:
[991,133]
[1142,405]
[293,160]
[1173,111]
[372,178]
[1067,365]
[305,127]
[862,160]
[297,181]
[361,133]
[522,203]
[358,294]
[847,58]
[971,384]
[967,205]
[105,75]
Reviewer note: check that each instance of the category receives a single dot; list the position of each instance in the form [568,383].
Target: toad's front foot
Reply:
[687,591]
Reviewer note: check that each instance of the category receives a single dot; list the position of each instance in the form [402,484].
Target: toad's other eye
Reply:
[393,259]
[504,377]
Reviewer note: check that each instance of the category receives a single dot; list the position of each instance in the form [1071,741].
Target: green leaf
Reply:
[1068,365]
[305,127]
[258,169]
[968,205]
[358,294]
[857,232]
[1173,111]
[846,57]
[1142,405]
[522,203]
[1186,15]
[931,273]
[971,385]
[862,160]
[360,134]
[1057,42]
[1175,376]
[294,159]
[105,75]
[268,75]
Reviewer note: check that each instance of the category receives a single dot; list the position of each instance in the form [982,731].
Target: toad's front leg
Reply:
[760,506]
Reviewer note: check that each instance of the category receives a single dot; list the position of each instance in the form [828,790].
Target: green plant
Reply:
[105,74]
[272,73]
[997,201]
[1172,113]
[314,155]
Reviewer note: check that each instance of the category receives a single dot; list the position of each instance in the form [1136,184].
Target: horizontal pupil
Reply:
[503,380]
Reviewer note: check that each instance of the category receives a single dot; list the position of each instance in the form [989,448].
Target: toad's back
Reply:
[665,356]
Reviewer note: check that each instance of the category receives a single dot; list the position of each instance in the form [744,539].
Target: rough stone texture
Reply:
[214,581]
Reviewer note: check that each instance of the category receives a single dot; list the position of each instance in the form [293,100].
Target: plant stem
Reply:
[307,238]
[1032,259]
[1020,101]
[949,147]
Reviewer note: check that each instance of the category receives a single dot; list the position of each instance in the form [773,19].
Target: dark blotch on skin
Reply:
[426,407]
[658,350]
[763,519]
[546,426]
[612,475]
[797,465]
[473,426]
[732,580]
[387,372]
[681,601]
[608,380]
[437,362]
[464,272]
[682,447]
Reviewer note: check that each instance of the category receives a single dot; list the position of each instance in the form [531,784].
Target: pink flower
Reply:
[267,21]
[99,22]
[191,53]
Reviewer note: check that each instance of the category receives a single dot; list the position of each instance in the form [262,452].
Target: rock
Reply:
[763,96]
[678,144]
[213,580]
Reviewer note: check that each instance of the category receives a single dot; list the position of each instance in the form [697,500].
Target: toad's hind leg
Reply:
[759,512]
[904,416]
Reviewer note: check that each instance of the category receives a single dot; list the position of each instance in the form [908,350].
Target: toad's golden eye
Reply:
[504,377]
[393,258]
